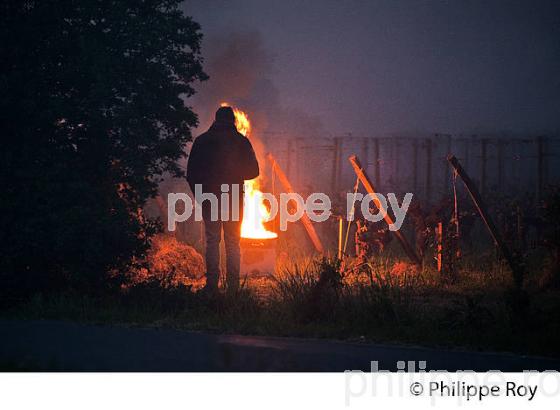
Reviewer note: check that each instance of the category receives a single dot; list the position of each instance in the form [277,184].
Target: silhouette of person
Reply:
[220,156]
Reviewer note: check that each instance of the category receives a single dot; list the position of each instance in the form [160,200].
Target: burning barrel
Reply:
[258,245]
[258,256]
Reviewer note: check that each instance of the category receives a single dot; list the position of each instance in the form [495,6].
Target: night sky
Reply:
[372,67]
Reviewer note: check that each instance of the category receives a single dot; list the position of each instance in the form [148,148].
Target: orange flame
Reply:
[255,213]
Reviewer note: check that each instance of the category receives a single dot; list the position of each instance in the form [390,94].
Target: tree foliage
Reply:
[92,112]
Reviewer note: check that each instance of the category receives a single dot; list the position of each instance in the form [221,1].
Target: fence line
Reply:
[507,165]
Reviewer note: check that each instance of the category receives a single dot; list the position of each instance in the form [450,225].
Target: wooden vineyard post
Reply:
[364,179]
[376,164]
[304,219]
[365,152]
[336,165]
[340,150]
[482,210]
[439,240]
[428,145]
[483,159]
[500,164]
[446,250]
[340,229]
[446,176]
[415,165]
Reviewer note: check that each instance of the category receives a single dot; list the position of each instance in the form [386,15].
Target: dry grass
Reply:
[170,263]
[386,299]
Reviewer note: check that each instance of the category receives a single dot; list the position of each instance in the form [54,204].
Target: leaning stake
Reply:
[369,187]
[482,210]
[304,219]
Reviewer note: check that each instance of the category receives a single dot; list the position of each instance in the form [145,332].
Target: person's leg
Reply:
[232,237]
[213,236]
[232,232]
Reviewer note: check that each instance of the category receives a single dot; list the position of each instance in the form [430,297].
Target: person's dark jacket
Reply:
[221,156]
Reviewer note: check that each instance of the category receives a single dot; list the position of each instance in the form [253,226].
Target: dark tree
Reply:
[92,112]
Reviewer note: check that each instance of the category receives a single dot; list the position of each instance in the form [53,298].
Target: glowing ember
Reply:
[255,213]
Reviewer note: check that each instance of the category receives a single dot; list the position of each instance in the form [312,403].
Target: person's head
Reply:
[225,115]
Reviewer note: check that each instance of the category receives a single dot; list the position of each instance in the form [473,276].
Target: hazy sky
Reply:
[373,67]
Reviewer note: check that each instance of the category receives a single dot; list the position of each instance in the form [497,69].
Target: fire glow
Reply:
[255,213]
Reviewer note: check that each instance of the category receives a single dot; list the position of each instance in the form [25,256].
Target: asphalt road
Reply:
[67,346]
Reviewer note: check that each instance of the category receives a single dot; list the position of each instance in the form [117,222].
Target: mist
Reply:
[384,67]
[241,70]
